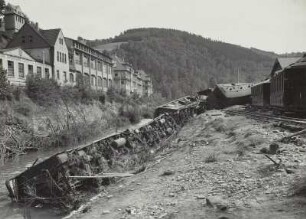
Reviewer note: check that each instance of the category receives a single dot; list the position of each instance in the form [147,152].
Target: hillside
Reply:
[181,63]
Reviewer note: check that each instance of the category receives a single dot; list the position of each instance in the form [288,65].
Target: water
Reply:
[9,169]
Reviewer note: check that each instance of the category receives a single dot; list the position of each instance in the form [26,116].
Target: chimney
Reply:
[36,26]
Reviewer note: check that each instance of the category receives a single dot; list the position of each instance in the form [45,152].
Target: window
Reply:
[30,69]
[39,71]
[21,70]
[58,56]
[99,81]
[23,39]
[58,74]
[10,68]
[65,77]
[71,78]
[47,73]
[109,83]
[31,39]
[93,80]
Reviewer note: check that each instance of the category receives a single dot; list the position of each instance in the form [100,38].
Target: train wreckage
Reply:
[65,178]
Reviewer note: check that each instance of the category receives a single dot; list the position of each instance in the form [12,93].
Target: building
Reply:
[94,67]
[225,95]
[47,47]
[122,74]
[18,64]
[282,62]
[147,84]
[13,19]
[131,81]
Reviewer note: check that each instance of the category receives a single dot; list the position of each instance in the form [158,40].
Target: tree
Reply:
[2,6]
[4,85]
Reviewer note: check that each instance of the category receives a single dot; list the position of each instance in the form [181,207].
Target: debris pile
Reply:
[63,179]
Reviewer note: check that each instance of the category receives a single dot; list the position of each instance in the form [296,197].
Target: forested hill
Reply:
[181,63]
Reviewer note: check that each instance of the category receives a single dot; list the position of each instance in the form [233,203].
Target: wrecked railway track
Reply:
[267,117]
[66,179]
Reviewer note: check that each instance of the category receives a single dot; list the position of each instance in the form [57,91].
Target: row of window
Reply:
[20,19]
[61,57]
[21,70]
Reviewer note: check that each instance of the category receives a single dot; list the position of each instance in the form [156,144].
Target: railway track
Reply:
[263,116]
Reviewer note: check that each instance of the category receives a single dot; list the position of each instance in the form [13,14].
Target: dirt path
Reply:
[213,169]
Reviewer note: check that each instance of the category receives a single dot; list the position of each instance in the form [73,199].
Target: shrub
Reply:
[42,91]
[23,108]
[130,112]
[5,89]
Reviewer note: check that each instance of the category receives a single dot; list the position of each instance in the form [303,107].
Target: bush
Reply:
[130,112]
[42,91]
[5,89]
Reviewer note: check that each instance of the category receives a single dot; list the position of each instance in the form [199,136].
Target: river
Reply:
[10,168]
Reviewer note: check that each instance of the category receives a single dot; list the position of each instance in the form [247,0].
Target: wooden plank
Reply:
[104,175]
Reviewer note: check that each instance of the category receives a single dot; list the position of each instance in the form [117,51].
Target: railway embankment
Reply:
[215,168]
[46,116]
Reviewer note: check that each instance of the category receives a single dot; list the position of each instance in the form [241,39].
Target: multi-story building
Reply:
[13,19]
[122,74]
[48,47]
[147,84]
[18,64]
[94,67]
[130,81]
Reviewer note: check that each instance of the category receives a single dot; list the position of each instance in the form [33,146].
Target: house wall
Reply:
[61,71]
[13,22]
[40,54]
[19,79]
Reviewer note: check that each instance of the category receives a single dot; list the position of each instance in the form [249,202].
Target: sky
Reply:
[271,25]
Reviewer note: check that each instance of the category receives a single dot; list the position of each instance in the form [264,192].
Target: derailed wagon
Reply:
[63,179]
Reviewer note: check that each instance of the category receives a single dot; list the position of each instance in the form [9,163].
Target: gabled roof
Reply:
[47,37]
[268,81]
[50,35]
[17,52]
[299,63]
[120,65]
[235,90]
[283,62]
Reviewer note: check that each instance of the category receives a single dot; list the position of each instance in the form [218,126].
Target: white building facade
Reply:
[18,65]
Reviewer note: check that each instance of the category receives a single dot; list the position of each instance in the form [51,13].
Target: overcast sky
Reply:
[272,25]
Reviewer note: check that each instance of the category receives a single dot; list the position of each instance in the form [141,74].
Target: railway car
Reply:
[288,88]
[225,95]
[261,94]
[187,103]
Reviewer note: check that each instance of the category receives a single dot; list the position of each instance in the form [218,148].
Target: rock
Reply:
[273,148]
[200,197]
[130,210]
[264,150]
[106,212]
[289,171]
[218,202]
[221,207]
[171,195]
[167,173]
